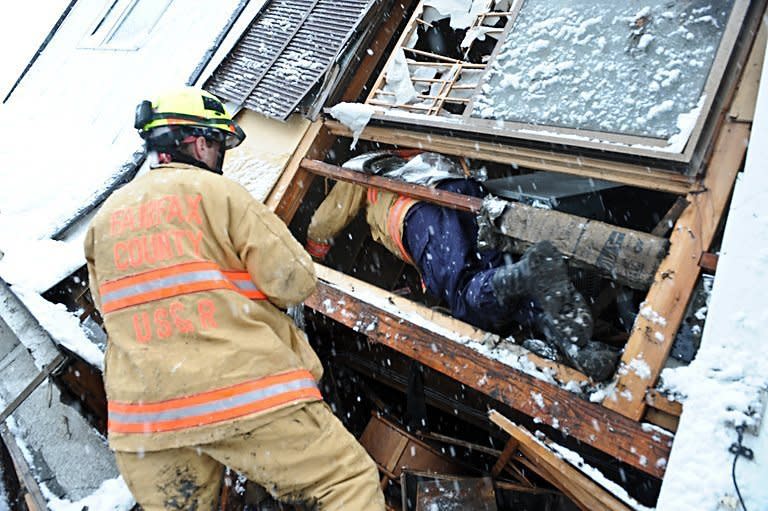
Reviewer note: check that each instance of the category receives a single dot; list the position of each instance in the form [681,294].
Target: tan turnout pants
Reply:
[306,456]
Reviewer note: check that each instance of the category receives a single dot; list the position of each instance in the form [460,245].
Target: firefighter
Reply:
[203,368]
[480,287]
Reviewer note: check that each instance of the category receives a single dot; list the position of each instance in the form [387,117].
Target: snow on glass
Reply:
[605,66]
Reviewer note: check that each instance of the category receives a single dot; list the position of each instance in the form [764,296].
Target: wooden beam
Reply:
[626,256]
[291,189]
[745,100]
[285,180]
[661,419]
[633,175]
[34,497]
[419,339]
[669,219]
[509,450]
[443,322]
[664,306]
[377,49]
[440,197]
[659,401]
[587,494]
[662,412]
[708,261]
[36,381]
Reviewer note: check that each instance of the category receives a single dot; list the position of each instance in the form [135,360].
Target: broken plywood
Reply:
[372,316]
[584,492]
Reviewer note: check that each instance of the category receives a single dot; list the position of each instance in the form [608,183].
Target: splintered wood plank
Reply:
[286,178]
[378,48]
[294,185]
[623,255]
[587,494]
[664,306]
[410,28]
[634,175]
[743,106]
[417,339]
[507,453]
[437,320]
[34,497]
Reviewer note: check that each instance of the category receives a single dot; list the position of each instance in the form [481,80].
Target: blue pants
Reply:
[443,245]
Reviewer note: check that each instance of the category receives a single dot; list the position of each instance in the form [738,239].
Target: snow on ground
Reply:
[112,495]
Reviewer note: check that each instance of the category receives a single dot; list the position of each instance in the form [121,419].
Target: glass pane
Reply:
[138,22]
[621,67]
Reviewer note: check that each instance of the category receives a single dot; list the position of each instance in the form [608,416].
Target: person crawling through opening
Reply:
[483,288]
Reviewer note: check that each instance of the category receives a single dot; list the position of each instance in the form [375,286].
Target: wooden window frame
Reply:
[592,140]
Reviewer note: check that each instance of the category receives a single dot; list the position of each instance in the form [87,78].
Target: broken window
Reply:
[623,77]
[125,24]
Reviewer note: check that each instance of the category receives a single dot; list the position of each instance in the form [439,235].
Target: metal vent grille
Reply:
[284,52]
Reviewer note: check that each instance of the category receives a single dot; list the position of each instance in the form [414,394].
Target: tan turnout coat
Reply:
[385,212]
[190,273]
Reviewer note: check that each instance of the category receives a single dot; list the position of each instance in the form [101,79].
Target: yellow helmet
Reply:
[182,113]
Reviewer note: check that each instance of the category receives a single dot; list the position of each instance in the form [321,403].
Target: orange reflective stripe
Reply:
[214,406]
[244,284]
[395,221]
[173,281]
[373,195]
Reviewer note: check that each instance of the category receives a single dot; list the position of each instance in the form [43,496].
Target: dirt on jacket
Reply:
[190,274]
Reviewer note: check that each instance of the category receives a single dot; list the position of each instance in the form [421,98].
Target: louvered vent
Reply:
[284,52]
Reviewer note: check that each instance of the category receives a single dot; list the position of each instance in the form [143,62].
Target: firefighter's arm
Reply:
[334,214]
[92,280]
[278,264]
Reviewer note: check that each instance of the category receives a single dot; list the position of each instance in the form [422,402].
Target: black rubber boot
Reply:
[595,359]
[542,275]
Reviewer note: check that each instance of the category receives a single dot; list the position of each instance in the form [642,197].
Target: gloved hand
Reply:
[318,249]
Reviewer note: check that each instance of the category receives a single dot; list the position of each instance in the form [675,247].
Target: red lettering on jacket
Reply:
[169,209]
[184,326]
[205,312]
[142,328]
[193,209]
[173,209]
[161,246]
[149,214]
[162,325]
[119,221]
[163,322]
[121,249]
[156,248]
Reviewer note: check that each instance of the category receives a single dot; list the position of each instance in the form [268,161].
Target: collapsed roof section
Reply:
[285,52]
[592,75]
